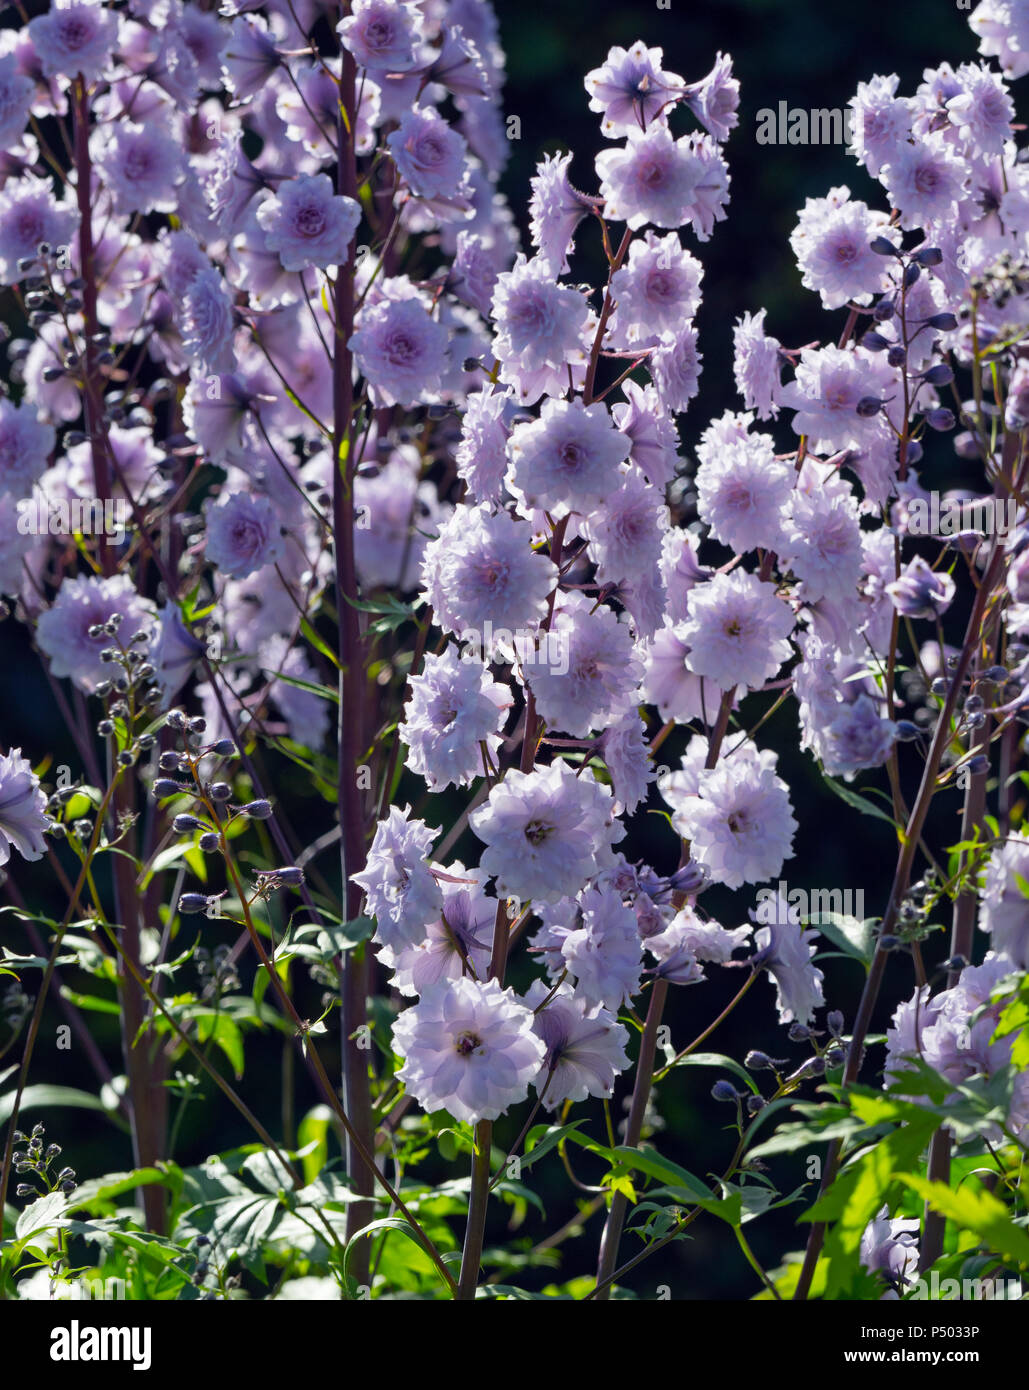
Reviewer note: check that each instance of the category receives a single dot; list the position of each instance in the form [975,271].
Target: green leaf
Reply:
[857,801]
[42,1097]
[40,1216]
[313,1137]
[317,642]
[854,938]
[978,1211]
[715,1059]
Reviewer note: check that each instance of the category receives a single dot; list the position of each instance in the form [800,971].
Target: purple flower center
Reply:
[467,1043]
[309,220]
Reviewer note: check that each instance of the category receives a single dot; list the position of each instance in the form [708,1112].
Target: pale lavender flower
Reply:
[401,350]
[675,369]
[632,90]
[881,122]
[1003,30]
[401,891]
[242,534]
[829,384]
[652,178]
[454,707]
[16,543]
[653,437]
[475,271]
[857,737]
[757,365]
[738,818]
[546,832]
[668,681]
[822,544]
[982,111]
[567,460]
[459,942]
[29,216]
[481,456]
[308,224]
[924,180]
[430,157]
[482,569]
[832,244]
[585,1047]
[141,167]
[383,35]
[23,815]
[743,491]
[174,652]
[708,939]
[921,592]
[207,323]
[26,443]
[737,630]
[680,570]
[539,329]
[625,535]
[1004,907]
[250,56]
[890,1248]
[555,210]
[16,93]
[83,603]
[602,673]
[715,101]
[394,509]
[656,291]
[603,955]
[74,36]
[626,755]
[785,950]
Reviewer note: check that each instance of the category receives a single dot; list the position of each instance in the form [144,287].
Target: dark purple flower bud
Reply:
[834,1022]
[944,322]
[929,255]
[164,786]
[914,452]
[758,1061]
[883,247]
[754,1104]
[897,355]
[210,841]
[225,748]
[176,719]
[220,791]
[939,375]
[191,903]
[798,1032]
[911,274]
[725,1090]
[875,342]
[884,311]
[979,765]
[868,406]
[907,732]
[996,675]
[257,810]
[888,943]
[940,419]
[292,877]
[182,824]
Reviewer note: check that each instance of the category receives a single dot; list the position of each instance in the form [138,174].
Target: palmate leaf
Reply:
[976,1210]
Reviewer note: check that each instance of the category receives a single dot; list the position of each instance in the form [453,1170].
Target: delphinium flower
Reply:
[481,456]
[1004,909]
[785,949]
[822,540]
[16,543]
[707,939]
[670,684]
[737,816]
[625,535]
[401,350]
[142,167]
[737,630]
[656,178]
[23,815]
[626,755]
[383,35]
[207,322]
[654,440]
[30,216]
[242,534]
[546,832]
[26,442]
[881,122]
[481,570]
[429,156]
[396,509]
[598,674]
[715,100]
[455,707]
[832,242]
[16,92]
[924,180]
[602,954]
[469,1048]
[459,942]
[308,224]
[540,327]
[890,1248]
[585,1046]
[655,291]
[757,365]
[920,592]
[555,211]
[632,89]
[674,366]
[74,36]
[829,384]
[402,894]
[307,715]
[83,606]
[567,460]
[743,491]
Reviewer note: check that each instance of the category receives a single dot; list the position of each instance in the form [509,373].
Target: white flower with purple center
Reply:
[546,832]
[243,534]
[625,535]
[822,545]
[715,100]
[982,111]
[832,244]
[656,291]
[668,681]
[23,815]
[26,443]
[567,460]
[830,383]
[308,224]
[708,939]
[924,180]
[430,158]
[482,569]
[585,1046]
[82,603]
[626,755]
[737,630]
[555,210]
[602,673]
[454,708]
[540,327]
[469,1048]
[652,178]
[604,955]
[141,167]
[481,456]
[736,816]
[383,35]
[30,216]
[73,37]
[632,90]
[857,737]
[401,892]
[784,948]
[757,365]
[743,491]
[401,350]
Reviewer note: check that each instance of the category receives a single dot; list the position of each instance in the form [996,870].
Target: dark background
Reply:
[810,55]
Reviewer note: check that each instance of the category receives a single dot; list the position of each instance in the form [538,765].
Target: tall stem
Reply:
[354,972]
